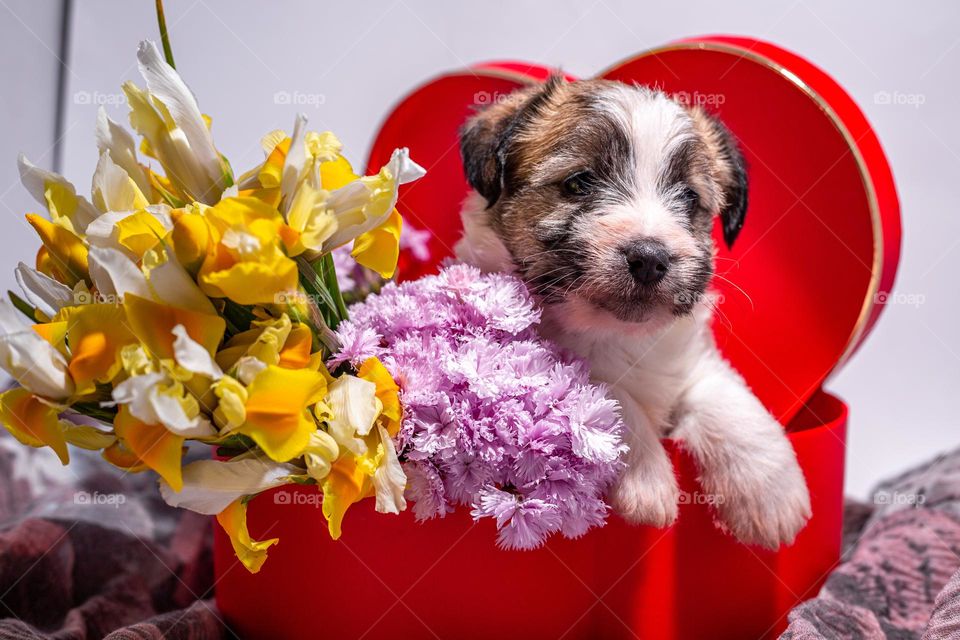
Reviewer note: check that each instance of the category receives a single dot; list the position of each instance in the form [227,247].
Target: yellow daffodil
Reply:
[152,445]
[154,322]
[263,341]
[247,264]
[251,553]
[218,488]
[64,248]
[276,410]
[191,237]
[379,248]
[67,209]
[353,478]
[33,422]
[96,334]
[359,410]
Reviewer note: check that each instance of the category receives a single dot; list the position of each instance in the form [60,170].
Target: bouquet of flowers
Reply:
[194,307]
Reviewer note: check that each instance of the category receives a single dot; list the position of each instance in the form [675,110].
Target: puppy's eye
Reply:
[689,199]
[579,184]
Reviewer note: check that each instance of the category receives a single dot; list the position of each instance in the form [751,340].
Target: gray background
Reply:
[347,62]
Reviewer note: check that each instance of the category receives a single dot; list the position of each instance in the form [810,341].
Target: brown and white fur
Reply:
[602,197]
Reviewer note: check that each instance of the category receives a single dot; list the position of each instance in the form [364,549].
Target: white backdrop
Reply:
[348,62]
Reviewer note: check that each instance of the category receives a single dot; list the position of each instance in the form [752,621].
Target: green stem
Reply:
[164,36]
[328,273]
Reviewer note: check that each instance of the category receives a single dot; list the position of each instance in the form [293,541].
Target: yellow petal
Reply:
[336,173]
[154,322]
[276,410]
[296,350]
[120,456]
[33,422]
[379,249]
[97,333]
[272,169]
[140,232]
[251,553]
[346,484]
[387,391]
[152,445]
[65,249]
[191,239]
[252,282]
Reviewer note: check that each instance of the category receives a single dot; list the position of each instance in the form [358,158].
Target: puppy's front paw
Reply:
[766,505]
[647,498]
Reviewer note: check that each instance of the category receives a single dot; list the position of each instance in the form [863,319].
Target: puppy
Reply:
[602,197]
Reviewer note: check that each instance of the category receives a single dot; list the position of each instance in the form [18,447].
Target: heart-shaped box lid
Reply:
[812,268]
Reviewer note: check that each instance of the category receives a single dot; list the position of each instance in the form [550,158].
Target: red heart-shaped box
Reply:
[800,290]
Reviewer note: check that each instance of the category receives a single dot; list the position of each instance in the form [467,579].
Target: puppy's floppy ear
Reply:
[485,138]
[729,170]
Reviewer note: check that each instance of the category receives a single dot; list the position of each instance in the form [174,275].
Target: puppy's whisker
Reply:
[738,288]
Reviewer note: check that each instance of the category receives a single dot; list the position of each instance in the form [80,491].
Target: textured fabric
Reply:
[85,556]
[900,577]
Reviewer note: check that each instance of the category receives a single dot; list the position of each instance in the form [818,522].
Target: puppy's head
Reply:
[606,193]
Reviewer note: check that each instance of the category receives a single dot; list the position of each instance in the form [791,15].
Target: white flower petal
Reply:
[248,367]
[122,147]
[170,413]
[31,360]
[166,85]
[293,163]
[37,180]
[209,486]
[191,355]
[172,285]
[115,274]
[113,189]
[42,291]
[354,405]
[389,480]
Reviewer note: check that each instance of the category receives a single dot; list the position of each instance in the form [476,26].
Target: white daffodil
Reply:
[154,394]
[130,230]
[365,204]
[210,486]
[167,116]
[31,360]
[58,195]
[42,291]
[162,279]
[117,141]
[354,406]
[113,189]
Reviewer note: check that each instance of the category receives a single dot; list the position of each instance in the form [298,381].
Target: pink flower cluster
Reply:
[494,416]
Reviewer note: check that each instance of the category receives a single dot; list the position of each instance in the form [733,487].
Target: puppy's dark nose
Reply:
[649,261]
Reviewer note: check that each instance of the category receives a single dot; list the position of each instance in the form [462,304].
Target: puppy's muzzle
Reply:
[648,261]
